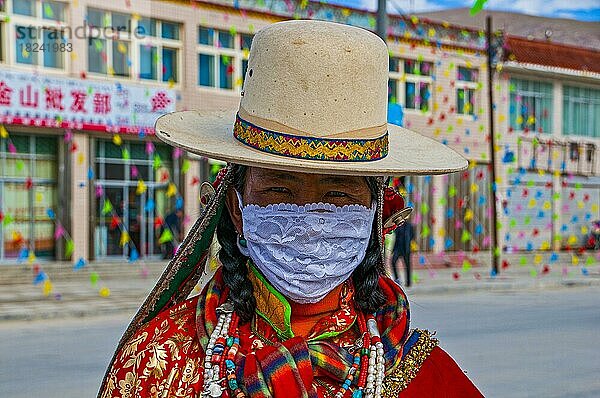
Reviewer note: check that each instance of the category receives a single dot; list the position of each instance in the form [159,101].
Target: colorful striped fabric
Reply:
[311,148]
[289,368]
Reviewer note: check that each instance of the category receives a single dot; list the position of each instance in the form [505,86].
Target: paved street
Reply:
[527,344]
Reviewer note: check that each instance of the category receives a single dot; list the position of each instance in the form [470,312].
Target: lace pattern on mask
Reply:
[311,248]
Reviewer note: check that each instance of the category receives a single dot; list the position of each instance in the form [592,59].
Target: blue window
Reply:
[26,40]
[53,57]
[24,7]
[148,62]
[169,58]
[206,70]
[225,72]
[206,36]
[170,30]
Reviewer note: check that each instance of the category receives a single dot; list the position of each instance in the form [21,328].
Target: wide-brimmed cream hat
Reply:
[314,99]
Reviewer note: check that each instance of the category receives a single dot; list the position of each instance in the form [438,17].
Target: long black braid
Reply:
[368,295]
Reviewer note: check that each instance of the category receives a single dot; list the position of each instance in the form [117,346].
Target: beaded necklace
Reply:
[220,366]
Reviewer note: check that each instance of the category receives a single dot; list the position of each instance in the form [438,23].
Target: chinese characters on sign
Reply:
[31,99]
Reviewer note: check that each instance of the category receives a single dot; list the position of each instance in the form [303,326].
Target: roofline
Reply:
[545,69]
[550,43]
[504,11]
[404,17]
[279,17]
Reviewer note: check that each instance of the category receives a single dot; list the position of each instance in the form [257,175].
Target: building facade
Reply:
[80,88]
[548,119]
[82,176]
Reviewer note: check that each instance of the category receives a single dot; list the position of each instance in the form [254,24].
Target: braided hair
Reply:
[368,296]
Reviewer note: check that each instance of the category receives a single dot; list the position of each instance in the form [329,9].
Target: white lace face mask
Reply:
[306,251]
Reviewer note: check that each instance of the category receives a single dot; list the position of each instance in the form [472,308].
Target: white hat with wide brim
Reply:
[312,79]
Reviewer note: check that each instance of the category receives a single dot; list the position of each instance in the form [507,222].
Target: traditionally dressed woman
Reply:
[300,305]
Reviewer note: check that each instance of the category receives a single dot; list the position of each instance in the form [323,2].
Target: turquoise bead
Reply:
[357,394]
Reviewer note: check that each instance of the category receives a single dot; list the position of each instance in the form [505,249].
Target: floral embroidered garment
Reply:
[165,357]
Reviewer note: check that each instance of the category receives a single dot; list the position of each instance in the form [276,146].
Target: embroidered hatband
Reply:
[313,148]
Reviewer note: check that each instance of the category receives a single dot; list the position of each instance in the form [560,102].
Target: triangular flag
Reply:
[134,255]
[149,205]
[23,254]
[94,278]
[166,236]
[157,162]
[149,147]
[141,187]
[468,215]
[466,236]
[8,219]
[171,190]
[79,264]
[107,208]
[452,191]
[466,265]
[39,278]
[124,238]
[59,231]
[50,213]
[47,288]
[69,247]
[185,166]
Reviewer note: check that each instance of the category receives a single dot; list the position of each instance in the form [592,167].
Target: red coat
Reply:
[165,359]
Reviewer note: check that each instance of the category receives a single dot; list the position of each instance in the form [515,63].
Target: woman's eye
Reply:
[279,189]
[337,194]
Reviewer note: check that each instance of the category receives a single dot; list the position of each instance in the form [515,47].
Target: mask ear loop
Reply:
[242,244]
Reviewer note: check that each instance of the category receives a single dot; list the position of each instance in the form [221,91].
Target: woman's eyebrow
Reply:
[339,180]
[282,176]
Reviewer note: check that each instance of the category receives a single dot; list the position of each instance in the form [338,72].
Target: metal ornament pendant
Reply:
[207,192]
[214,389]
[398,218]
[225,308]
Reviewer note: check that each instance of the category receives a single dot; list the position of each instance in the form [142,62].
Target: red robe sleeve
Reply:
[162,359]
[440,377]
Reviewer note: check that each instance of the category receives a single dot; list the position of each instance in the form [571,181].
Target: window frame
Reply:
[160,43]
[530,93]
[237,55]
[37,21]
[4,53]
[466,86]
[134,43]
[32,157]
[569,101]
[402,78]
[117,36]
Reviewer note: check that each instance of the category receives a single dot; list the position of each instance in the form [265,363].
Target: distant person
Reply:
[405,233]
[174,223]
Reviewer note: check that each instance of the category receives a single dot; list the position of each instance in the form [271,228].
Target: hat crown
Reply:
[315,78]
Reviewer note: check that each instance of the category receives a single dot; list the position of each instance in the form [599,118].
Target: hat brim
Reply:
[210,134]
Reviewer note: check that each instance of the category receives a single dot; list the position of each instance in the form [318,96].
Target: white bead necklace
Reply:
[212,383]
[212,386]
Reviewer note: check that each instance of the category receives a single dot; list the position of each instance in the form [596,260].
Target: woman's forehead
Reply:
[271,175]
